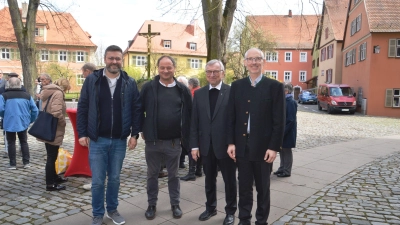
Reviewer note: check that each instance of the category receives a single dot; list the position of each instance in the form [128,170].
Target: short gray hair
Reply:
[215,61]
[13,83]
[89,66]
[257,49]
[289,87]
[45,75]
[183,80]
[194,82]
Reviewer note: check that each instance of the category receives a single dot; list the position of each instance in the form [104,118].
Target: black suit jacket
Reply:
[204,128]
[265,104]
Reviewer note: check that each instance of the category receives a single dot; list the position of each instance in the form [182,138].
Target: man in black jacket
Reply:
[166,107]
[256,120]
[108,113]
[208,134]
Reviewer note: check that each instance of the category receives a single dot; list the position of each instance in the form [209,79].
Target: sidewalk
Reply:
[314,170]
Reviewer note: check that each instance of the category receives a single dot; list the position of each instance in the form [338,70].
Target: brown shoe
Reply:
[162,174]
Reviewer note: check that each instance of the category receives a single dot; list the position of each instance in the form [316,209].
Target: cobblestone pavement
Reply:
[23,199]
[370,195]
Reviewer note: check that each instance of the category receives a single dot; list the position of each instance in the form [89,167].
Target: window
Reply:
[140,60]
[79,79]
[323,54]
[313,64]
[44,55]
[80,56]
[363,51]
[392,98]
[356,25]
[353,56]
[167,43]
[36,31]
[288,76]
[330,51]
[288,56]
[317,62]
[356,1]
[272,74]
[329,76]
[303,76]
[394,48]
[194,63]
[350,57]
[62,56]
[322,73]
[5,53]
[271,56]
[193,46]
[303,56]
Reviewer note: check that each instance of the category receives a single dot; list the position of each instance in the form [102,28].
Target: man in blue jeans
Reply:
[108,112]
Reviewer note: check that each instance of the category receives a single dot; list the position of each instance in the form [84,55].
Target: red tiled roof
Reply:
[62,29]
[383,15]
[180,36]
[337,13]
[296,31]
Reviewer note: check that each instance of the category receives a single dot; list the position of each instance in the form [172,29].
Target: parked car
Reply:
[307,97]
[336,98]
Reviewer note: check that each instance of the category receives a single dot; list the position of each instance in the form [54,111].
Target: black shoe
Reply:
[176,211]
[55,187]
[150,212]
[277,172]
[198,173]
[244,222]
[229,220]
[182,165]
[190,176]
[60,180]
[207,215]
[282,175]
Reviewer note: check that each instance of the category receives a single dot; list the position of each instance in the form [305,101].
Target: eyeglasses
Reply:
[211,72]
[114,58]
[256,59]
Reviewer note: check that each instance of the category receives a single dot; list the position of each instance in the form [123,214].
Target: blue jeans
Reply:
[106,156]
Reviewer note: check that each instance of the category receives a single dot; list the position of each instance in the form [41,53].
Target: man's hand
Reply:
[195,154]
[84,141]
[132,143]
[232,151]
[270,156]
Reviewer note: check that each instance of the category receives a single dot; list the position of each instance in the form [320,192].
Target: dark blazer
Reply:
[203,127]
[266,105]
[289,138]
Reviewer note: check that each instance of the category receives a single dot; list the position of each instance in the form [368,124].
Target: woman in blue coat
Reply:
[289,138]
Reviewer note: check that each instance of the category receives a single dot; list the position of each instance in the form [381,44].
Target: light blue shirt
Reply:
[258,79]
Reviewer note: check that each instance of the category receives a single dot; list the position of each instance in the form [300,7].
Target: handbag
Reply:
[45,126]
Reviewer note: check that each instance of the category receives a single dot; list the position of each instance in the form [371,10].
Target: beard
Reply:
[113,70]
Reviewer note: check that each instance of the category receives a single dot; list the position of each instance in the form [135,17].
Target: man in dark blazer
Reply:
[208,140]
[256,121]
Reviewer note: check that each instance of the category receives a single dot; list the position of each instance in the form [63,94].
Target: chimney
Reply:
[24,10]
[290,13]
[194,24]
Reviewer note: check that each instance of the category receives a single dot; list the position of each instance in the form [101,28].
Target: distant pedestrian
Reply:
[18,110]
[289,138]
[194,85]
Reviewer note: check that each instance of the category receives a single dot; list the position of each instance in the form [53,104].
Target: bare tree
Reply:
[25,34]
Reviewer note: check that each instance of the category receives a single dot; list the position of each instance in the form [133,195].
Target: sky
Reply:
[117,21]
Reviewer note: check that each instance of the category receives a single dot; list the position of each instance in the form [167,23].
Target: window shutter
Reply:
[17,54]
[41,31]
[333,47]
[133,62]
[389,98]
[200,64]
[188,64]
[69,56]
[73,57]
[12,55]
[392,48]
[365,50]
[86,57]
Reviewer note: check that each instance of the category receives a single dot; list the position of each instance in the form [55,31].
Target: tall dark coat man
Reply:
[208,140]
[256,120]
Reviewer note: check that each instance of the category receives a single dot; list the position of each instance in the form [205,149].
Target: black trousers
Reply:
[228,171]
[23,139]
[52,153]
[250,171]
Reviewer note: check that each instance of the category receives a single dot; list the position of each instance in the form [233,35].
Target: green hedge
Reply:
[70,96]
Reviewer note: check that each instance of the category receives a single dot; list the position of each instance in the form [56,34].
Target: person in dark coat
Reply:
[289,138]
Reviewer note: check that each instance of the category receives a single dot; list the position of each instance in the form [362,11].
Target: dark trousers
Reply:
[52,153]
[23,139]
[286,156]
[258,171]
[228,171]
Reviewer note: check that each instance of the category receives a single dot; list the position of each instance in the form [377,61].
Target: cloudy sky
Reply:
[117,21]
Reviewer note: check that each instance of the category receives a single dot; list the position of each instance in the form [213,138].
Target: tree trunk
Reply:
[25,34]
[217,26]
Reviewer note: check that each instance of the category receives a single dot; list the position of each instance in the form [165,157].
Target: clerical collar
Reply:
[216,87]
[168,85]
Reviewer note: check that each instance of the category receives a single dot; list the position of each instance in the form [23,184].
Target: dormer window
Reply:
[167,44]
[193,46]
[36,31]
